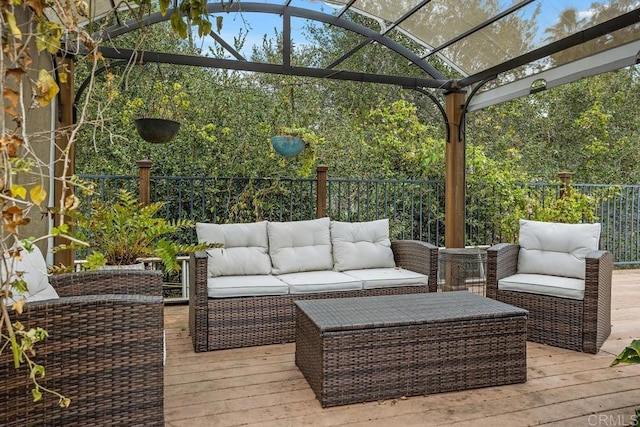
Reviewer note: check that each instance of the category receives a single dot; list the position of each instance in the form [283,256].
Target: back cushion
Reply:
[34,269]
[245,251]
[556,249]
[359,245]
[300,246]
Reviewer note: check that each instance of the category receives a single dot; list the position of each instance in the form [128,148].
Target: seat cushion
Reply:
[320,281]
[358,245]
[556,249]
[245,251]
[387,277]
[33,267]
[244,286]
[555,286]
[300,246]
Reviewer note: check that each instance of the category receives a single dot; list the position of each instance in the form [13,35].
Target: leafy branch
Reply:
[25,88]
[631,354]
[22,352]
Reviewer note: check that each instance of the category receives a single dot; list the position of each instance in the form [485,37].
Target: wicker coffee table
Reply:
[372,348]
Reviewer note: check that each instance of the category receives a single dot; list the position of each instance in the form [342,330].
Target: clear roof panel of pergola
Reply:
[505,45]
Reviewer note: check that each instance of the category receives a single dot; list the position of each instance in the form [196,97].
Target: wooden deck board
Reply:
[261,386]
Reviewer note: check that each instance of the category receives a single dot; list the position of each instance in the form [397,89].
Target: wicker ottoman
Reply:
[365,349]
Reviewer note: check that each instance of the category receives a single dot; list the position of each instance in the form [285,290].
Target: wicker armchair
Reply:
[104,352]
[576,324]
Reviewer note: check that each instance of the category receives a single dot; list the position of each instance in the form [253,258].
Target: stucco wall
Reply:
[38,126]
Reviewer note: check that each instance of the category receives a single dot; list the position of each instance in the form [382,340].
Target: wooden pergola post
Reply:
[321,191]
[144,174]
[454,206]
[64,149]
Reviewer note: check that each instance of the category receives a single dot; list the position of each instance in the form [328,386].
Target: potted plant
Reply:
[291,141]
[121,233]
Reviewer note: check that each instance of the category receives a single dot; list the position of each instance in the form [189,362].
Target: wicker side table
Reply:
[365,349]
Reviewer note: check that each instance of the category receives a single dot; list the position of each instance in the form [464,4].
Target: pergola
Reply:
[471,53]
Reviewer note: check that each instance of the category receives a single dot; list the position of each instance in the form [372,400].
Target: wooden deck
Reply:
[262,386]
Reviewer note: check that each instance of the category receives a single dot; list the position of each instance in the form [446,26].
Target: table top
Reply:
[341,314]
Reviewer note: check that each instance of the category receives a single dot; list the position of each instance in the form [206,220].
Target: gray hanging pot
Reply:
[157,131]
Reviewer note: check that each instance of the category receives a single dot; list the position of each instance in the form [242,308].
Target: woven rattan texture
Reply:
[401,310]
[385,360]
[559,322]
[104,352]
[219,323]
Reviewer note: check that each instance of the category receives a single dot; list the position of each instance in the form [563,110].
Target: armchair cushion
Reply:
[555,286]
[33,268]
[360,245]
[300,246]
[556,249]
[245,250]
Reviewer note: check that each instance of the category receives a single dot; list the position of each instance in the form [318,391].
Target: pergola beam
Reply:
[608,60]
[202,61]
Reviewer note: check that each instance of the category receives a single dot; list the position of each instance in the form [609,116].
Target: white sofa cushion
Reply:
[34,269]
[373,278]
[359,245]
[244,286]
[556,249]
[555,286]
[320,281]
[300,246]
[245,250]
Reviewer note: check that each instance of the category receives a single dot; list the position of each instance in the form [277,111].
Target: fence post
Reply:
[565,177]
[144,167]
[321,191]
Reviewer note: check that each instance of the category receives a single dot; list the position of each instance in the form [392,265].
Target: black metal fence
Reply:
[415,208]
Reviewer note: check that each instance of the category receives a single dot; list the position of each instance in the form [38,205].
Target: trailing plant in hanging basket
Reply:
[156,118]
[293,141]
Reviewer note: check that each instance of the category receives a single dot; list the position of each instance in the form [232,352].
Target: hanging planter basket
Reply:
[287,145]
[157,131]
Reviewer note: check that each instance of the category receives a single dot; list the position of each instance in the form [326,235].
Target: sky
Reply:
[259,24]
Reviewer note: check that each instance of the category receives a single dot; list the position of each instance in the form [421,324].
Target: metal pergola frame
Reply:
[456,104]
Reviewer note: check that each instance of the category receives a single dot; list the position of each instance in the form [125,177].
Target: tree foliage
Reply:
[590,127]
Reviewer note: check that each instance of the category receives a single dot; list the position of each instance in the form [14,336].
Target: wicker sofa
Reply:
[243,294]
[104,352]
